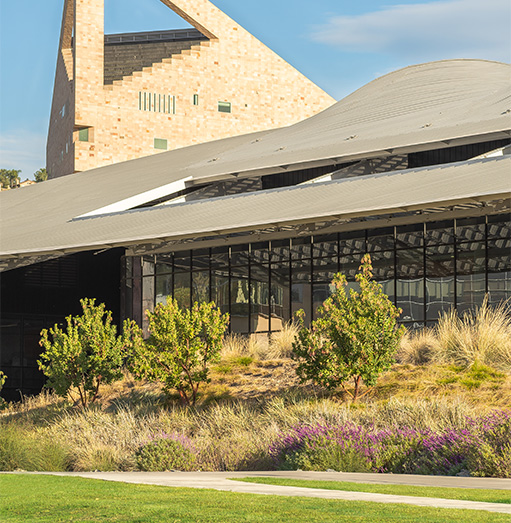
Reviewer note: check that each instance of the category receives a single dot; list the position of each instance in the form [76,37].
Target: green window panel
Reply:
[224,107]
[83,135]
[160,143]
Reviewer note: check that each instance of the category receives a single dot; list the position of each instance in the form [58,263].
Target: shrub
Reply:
[166,452]
[182,345]
[330,455]
[491,456]
[355,337]
[3,377]
[320,447]
[85,356]
[483,448]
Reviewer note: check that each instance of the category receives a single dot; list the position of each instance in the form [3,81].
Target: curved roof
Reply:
[408,190]
[421,104]
[417,108]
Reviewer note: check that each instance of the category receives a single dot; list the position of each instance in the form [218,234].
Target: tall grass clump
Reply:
[482,336]
[278,347]
[25,448]
[281,342]
[417,347]
[239,346]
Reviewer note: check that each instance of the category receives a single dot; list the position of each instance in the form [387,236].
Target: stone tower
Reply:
[120,97]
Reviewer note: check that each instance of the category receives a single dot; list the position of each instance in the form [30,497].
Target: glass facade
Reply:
[424,268]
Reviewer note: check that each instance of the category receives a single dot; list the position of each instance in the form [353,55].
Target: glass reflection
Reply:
[280,296]
[301,289]
[471,275]
[182,261]
[380,239]
[147,302]
[300,248]
[182,289]
[325,269]
[470,229]
[163,287]
[200,259]
[439,280]
[220,290]
[409,236]
[148,265]
[200,287]
[426,273]
[325,246]
[239,300]
[259,298]
[410,284]
[320,293]
[352,242]
[438,233]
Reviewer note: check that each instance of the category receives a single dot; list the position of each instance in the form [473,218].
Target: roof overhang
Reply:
[407,196]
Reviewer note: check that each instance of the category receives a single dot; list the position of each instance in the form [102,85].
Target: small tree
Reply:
[85,356]
[182,344]
[41,175]
[9,178]
[355,337]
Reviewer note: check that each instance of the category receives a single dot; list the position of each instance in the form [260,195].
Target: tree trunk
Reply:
[357,386]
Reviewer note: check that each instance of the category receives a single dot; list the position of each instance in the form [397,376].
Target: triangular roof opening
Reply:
[139,33]
[136,16]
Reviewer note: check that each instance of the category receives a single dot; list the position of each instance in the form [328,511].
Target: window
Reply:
[195,99]
[83,135]
[63,111]
[156,103]
[224,107]
[160,143]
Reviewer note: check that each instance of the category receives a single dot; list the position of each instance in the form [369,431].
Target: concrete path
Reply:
[221,481]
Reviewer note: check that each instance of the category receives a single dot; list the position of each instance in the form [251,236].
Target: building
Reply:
[414,168]
[119,97]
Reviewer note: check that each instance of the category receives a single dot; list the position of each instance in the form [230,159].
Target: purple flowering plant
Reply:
[482,447]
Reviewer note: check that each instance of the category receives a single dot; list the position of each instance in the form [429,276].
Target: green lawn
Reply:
[52,499]
[491,496]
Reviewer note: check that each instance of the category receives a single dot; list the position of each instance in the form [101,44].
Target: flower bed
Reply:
[483,448]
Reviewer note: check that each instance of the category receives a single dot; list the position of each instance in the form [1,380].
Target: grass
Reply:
[50,499]
[478,385]
[255,395]
[228,434]
[468,494]
[479,337]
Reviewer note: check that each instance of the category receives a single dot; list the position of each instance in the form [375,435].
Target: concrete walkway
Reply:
[221,481]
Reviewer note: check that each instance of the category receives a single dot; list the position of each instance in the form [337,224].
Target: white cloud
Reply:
[427,31]
[23,150]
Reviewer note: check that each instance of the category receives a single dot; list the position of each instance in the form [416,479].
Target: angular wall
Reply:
[173,103]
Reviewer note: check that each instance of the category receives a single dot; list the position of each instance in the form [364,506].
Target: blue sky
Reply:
[339,44]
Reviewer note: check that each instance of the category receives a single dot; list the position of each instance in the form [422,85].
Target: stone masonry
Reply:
[175,101]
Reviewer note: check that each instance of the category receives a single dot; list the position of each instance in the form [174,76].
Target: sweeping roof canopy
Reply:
[421,107]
